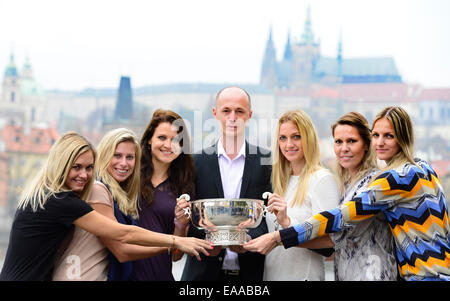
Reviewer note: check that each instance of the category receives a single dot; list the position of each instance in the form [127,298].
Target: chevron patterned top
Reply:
[412,199]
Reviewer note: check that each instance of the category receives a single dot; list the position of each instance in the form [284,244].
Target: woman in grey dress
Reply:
[364,251]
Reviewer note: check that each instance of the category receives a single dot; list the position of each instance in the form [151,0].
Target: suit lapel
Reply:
[248,167]
[215,172]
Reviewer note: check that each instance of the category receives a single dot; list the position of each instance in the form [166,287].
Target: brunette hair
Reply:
[181,170]
[368,162]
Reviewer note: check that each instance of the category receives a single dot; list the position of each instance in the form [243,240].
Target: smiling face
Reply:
[81,172]
[123,161]
[383,140]
[290,144]
[164,146]
[349,147]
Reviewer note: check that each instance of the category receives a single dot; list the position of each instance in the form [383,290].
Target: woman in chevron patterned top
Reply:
[409,194]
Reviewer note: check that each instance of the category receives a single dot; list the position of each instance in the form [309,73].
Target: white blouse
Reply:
[300,263]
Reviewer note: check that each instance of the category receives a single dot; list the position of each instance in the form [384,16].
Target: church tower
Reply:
[339,58]
[305,54]
[288,49]
[284,70]
[124,104]
[269,66]
[27,71]
[11,83]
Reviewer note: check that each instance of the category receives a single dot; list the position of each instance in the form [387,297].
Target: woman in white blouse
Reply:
[302,187]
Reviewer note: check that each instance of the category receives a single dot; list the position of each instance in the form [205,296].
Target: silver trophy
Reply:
[226,221]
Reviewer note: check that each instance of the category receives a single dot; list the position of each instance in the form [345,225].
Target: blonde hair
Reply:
[282,169]
[368,162]
[126,193]
[403,133]
[52,177]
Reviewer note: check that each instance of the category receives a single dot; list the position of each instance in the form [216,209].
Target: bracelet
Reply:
[173,242]
[274,236]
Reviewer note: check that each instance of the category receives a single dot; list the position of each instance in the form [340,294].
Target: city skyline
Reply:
[78,45]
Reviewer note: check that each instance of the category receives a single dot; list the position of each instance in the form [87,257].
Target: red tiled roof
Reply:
[38,141]
[435,94]
[385,92]
[441,167]
[326,92]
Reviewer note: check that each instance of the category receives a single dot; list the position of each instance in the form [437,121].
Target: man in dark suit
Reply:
[231,168]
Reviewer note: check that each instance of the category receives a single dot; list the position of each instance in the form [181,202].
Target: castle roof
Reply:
[370,92]
[357,66]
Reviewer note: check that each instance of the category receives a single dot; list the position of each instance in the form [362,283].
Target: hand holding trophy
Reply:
[225,220]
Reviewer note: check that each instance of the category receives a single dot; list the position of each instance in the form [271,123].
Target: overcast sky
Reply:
[73,45]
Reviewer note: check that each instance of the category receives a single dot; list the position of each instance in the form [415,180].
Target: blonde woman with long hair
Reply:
[301,187]
[54,202]
[407,192]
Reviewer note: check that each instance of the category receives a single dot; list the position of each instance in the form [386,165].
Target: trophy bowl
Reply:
[226,221]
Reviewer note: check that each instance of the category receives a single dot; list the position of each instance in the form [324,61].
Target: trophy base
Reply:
[227,237]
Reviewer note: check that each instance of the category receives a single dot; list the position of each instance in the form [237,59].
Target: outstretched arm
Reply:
[362,207]
[266,243]
[104,227]
[124,251]
[358,209]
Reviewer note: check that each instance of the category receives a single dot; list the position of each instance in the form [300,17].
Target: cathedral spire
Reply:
[270,54]
[308,35]
[288,50]
[268,69]
[270,40]
[339,56]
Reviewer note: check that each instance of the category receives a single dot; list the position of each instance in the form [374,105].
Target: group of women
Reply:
[392,221]
[106,215]
[111,215]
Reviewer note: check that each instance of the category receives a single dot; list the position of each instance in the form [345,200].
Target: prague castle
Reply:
[302,65]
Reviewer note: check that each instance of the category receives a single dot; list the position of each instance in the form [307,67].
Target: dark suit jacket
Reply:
[208,184]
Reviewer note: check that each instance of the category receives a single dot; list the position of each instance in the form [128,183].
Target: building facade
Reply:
[22,99]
